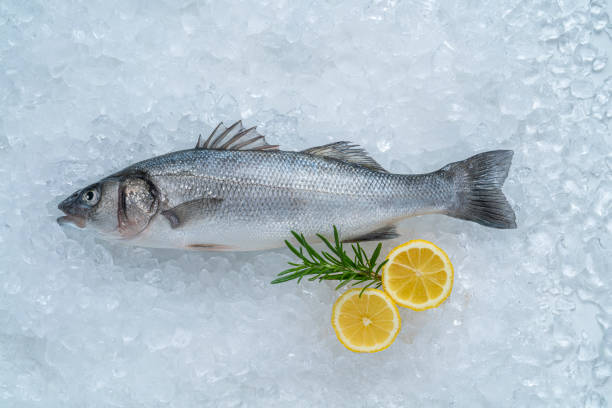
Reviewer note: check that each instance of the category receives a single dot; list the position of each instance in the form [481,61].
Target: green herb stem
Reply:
[333,265]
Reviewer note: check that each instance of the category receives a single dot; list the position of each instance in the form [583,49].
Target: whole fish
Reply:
[234,191]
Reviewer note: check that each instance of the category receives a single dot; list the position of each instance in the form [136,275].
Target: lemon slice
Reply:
[418,275]
[368,323]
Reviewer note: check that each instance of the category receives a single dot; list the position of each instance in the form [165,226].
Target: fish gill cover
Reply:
[89,88]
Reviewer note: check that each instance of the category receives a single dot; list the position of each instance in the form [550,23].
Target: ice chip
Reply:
[599,63]
[585,53]
[88,89]
[582,89]
[600,21]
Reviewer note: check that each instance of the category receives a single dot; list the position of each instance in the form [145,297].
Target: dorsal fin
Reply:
[235,137]
[347,152]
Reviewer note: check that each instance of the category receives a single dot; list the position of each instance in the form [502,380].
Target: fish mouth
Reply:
[74,220]
[75,215]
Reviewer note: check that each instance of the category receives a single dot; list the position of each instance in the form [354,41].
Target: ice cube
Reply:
[89,88]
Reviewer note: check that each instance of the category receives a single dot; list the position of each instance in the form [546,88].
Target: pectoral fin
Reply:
[386,232]
[193,210]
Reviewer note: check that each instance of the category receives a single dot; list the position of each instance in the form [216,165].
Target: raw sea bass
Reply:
[234,191]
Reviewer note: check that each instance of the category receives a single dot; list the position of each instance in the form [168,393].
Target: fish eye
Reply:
[90,196]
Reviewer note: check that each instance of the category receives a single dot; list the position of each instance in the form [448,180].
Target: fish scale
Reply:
[253,196]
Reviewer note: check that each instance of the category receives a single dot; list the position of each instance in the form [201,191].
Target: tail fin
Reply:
[478,181]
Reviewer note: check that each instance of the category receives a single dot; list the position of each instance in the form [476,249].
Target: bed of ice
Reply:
[88,87]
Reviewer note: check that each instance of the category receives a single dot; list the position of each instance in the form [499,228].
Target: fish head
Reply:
[93,207]
[117,207]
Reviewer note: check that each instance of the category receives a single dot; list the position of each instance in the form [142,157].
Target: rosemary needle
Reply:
[334,264]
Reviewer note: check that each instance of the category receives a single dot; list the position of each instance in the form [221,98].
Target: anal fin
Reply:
[210,247]
[380,234]
[193,210]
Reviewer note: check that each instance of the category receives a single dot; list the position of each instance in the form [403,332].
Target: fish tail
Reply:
[478,182]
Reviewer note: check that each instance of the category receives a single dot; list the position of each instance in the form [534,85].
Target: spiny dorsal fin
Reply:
[235,137]
[347,152]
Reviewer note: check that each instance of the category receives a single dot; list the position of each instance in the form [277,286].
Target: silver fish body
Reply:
[220,199]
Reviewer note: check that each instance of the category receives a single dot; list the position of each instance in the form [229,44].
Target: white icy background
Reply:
[89,87]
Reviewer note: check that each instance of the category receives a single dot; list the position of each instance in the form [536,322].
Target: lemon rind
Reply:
[447,289]
[389,301]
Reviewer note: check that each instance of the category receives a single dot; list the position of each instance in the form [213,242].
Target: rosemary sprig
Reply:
[334,265]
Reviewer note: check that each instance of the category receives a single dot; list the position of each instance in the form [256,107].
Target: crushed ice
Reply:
[90,87]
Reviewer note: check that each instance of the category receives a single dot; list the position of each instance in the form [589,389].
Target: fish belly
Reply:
[267,195]
[264,220]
